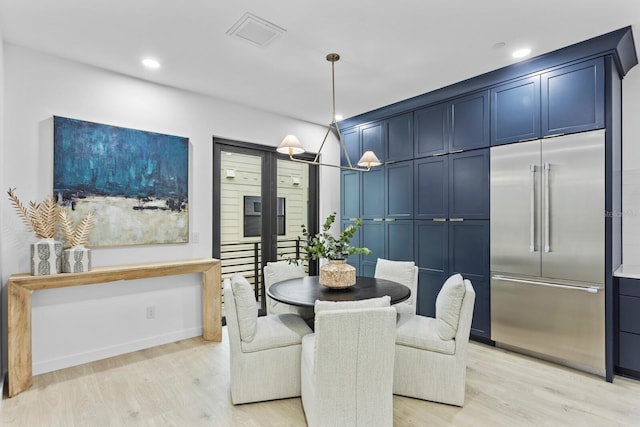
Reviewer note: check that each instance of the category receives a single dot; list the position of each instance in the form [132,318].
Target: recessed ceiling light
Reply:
[521,53]
[150,63]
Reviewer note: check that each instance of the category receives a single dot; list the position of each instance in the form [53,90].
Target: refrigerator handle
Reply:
[547,226]
[532,204]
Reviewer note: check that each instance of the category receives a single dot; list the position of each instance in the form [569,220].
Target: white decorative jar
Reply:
[337,274]
[46,257]
[76,259]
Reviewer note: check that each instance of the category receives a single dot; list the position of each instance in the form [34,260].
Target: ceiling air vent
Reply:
[255,30]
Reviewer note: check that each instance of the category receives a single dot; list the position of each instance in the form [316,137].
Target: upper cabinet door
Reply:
[431,130]
[400,138]
[373,139]
[469,185]
[573,98]
[373,193]
[349,194]
[469,122]
[515,111]
[351,138]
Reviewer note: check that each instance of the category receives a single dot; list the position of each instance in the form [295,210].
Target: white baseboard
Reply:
[115,350]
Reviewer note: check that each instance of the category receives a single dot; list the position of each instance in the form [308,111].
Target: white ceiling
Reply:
[389,50]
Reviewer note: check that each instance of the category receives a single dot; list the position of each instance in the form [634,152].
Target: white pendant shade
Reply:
[290,145]
[369,160]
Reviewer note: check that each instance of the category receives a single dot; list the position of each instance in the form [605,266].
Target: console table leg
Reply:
[19,339]
[212,304]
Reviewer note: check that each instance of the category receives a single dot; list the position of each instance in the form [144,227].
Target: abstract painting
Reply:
[136,182]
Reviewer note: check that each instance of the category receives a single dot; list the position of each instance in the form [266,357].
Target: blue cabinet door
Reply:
[349,194]
[515,111]
[469,256]
[373,193]
[431,131]
[431,187]
[399,240]
[372,233]
[356,241]
[469,184]
[373,139]
[572,98]
[469,122]
[431,253]
[351,139]
[400,138]
[399,190]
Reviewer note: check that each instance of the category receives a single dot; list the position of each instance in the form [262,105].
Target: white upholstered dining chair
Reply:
[404,272]
[279,271]
[347,364]
[431,353]
[264,351]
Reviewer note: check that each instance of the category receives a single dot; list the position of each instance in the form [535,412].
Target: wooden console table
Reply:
[21,286]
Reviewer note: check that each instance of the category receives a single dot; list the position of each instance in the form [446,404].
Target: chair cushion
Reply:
[282,270]
[422,332]
[348,305]
[281,330]
[448,303]
[246,307]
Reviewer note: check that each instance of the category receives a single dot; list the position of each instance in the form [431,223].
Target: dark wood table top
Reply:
[304,291]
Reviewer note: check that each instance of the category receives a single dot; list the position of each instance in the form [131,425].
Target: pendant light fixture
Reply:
[291,146]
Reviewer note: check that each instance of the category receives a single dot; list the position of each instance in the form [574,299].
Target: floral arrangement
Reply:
[41,218]
[326,245]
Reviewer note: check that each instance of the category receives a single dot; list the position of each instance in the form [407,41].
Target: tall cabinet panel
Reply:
[431,131]
[373,233]
[349,195]
[432,257]
[373,193]
[351,139]
[399,190]
[469,122]
[431,187]
[469,184]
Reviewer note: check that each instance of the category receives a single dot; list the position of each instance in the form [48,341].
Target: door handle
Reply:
[547,225]
[456,219]
[439,220]
[455,151]
[590,289]
[532,204]
[438,154]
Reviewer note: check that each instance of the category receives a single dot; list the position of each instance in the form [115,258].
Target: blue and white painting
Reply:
[135,181]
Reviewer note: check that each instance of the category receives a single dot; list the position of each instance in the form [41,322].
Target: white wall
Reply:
[631,166]
[75,325]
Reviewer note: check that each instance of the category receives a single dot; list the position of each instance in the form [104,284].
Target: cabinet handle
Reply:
[389,219]
[456,219]
[456,151]
[378,219]
[528,139]
[352,219]
[553,135]
[439,154]
[439,219]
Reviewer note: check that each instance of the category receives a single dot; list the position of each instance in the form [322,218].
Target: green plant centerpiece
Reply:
[337,273]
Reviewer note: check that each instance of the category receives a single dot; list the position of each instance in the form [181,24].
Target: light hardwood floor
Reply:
[187,384]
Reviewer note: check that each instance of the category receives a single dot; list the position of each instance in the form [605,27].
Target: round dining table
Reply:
[304,291]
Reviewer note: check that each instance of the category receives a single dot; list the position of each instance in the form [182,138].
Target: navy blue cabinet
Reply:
[351,139]
[431,187]
[390,239]
[399,190]
[431,131]
[627,360]
[469,184]
[399,144]
[515,111]
[469,122]
[373,139]
[373,193]
[573,98]
[432,258]
[349,194]
[457,125]
[373,238]
[356,241]
[469,256]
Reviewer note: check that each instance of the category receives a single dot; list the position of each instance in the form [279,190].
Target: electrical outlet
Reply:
[151,312]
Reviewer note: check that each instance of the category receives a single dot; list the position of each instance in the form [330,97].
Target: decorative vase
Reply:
[337,274]
[46,257]
[76,259]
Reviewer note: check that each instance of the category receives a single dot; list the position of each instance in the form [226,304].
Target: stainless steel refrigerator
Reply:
[547,248]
